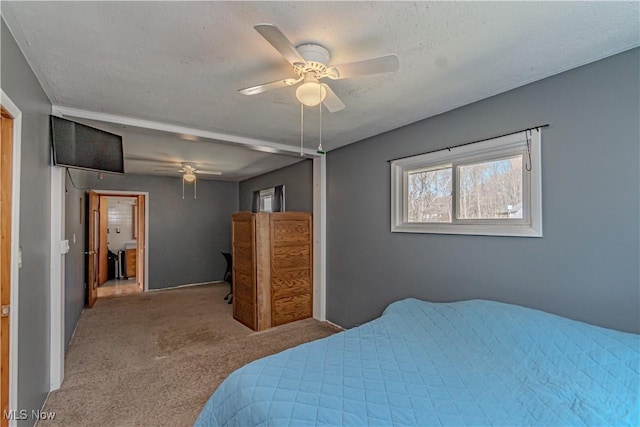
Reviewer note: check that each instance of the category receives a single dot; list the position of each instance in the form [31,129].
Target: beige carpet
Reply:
[154,359]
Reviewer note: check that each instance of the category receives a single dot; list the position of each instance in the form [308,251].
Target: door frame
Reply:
[16,261]
[102,251]
[92,250]
[145,194]
[140,228]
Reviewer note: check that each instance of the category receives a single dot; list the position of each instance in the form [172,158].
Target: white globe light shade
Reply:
[189,177]
[311,93]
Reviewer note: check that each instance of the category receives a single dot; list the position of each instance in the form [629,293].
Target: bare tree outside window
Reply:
[491,190]
[430,195]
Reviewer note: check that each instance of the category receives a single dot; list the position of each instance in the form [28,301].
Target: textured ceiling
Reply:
[182,63]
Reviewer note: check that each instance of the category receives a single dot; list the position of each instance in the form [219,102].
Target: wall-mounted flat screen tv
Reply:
[79,146]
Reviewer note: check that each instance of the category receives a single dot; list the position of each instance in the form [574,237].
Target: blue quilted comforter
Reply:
[433,364]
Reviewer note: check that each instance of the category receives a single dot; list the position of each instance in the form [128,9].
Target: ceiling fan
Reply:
[311,63]
[189,171]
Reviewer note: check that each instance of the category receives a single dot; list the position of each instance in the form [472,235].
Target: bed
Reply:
[434,364]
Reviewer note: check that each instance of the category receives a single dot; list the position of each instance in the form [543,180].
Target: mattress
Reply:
[442,364]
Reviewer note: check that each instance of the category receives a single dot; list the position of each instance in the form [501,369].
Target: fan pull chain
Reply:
[320,151]
[301,129]
[195,191]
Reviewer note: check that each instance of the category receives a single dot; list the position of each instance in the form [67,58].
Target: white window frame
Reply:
[493,149]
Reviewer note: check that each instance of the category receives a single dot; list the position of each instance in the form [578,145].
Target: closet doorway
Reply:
[117,244]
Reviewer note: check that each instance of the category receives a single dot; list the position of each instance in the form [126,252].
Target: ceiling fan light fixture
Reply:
[311,92]
[311,62]
[189,176]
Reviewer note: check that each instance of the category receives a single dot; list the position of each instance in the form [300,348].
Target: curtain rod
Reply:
[472,142]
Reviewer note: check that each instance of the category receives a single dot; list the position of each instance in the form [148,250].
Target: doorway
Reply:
[6,180]
[117,242]
[118,266]
[10,132]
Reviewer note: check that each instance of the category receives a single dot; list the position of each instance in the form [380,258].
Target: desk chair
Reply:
[228,277]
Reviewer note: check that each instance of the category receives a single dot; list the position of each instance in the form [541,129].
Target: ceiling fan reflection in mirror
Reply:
[311,63]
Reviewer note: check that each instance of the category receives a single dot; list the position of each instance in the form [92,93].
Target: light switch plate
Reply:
[64,247]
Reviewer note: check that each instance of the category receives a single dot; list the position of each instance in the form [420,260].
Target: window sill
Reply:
[524,230]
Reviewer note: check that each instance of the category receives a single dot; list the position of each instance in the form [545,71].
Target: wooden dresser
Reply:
[272,268]
[130,261]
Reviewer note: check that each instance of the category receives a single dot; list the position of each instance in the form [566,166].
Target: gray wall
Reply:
[298,186]
[585,267]
[74,260]
[20,84]
[185,236]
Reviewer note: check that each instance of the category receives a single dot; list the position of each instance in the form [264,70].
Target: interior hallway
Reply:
[116,287]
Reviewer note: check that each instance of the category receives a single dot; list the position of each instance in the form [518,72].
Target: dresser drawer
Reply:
[130,260]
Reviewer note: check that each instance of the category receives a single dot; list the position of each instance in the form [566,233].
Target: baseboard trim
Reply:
[188,285]
[334,324]
[42,409]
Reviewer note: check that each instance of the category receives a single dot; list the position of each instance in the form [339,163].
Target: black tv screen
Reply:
[83,147]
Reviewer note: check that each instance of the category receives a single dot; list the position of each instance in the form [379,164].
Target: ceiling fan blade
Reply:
[331,101]
[254,90]
[201,172]
[383,64]
[274,36]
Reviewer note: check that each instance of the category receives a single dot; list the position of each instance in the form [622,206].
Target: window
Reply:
[266,200]
[491,187]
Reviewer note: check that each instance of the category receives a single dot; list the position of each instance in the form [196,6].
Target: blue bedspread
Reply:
[430,364]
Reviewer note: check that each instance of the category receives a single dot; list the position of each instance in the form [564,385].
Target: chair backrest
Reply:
[227,256]
[228,276]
